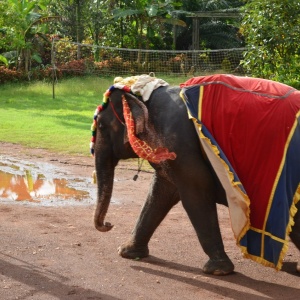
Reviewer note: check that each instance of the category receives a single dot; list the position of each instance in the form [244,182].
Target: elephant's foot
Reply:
[221,266]
[132,251]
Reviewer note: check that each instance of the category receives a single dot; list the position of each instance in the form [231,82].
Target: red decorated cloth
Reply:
[249,128]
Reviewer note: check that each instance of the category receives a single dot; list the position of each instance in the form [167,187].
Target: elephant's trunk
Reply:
[105,177]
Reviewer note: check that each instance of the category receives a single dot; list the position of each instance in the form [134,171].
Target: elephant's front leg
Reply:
[202,211]
[161,198]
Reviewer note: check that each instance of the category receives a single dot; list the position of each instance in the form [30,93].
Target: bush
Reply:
[272,50]
[10,75]
[77,67]
[66,51]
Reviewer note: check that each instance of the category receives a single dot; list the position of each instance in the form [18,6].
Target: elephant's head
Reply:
[123,131]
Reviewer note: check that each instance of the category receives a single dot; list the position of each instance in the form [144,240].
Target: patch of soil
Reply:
[56,253]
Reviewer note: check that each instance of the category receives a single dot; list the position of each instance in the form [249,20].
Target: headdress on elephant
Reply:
[143,86]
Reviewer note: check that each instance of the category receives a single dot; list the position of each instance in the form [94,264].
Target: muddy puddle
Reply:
[42,183]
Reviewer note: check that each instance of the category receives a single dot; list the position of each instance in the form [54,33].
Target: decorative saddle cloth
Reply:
[250,131]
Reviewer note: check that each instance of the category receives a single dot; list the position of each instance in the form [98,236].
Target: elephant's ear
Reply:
[139,112]
[136,115]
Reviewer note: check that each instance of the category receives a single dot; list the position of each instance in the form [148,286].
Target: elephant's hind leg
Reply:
[295,234]
[161,198]
[199,203]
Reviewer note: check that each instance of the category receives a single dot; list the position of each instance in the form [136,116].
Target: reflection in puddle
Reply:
[42,183]
[16,187]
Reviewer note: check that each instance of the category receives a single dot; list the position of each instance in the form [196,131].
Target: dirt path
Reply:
[55,252]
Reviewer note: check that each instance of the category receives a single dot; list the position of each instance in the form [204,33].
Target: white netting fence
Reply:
[70,58]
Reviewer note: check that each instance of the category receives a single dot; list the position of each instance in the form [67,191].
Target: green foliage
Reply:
[226,65]
[272,32]
[215,33]
[3,60]
[65,51]
[24,24]
[144,22]
[271,29]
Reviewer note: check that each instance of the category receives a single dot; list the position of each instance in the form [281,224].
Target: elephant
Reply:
[163,122]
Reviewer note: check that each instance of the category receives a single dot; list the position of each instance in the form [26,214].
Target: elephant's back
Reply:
[168,114]
[167,110]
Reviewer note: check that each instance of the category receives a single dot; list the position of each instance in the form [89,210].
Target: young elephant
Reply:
[186,175]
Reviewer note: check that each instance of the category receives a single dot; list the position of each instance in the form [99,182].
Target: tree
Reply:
[272,32]
[95,26]
[74,21]
[145,20]
[83,21]
[25,23]
[215,33]
[140,24]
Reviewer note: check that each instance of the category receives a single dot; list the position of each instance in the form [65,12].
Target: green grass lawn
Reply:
[30,116]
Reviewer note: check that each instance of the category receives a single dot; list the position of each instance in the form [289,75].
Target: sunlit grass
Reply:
[30,116]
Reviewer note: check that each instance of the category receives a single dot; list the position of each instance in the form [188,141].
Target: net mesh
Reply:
[72,58]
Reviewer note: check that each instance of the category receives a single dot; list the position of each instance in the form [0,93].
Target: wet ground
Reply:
[42,183]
